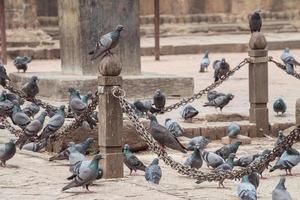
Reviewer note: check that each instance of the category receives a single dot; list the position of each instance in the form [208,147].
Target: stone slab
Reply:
[244,139]
[54,85]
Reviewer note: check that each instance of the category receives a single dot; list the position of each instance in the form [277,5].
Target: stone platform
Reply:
[54,85]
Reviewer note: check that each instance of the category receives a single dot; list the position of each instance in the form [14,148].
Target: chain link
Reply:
[283,67]
[10,128]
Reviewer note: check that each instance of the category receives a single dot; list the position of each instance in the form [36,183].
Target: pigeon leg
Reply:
[290,172]
[130,172]
[3,163]
[221,184]
[87,187]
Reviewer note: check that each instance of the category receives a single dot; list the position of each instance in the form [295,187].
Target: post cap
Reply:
[110,65]
[257,41]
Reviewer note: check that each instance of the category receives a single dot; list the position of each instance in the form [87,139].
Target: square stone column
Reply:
[80,23]
[297,112]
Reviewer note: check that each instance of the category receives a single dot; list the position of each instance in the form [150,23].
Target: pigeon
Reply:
[21,62]
[163,136]
[7,151]
[212,160]
[288,59]
[205,62]
[255,21]
[258,160]
[280,137]
[54,123]
[174,127]
[31,89]
[246,160]
[131,161]
[290,69]
[85,174]
[19,118]
[227,166]
[221,68]
[35,146]
[254,179]
[280,192]
[189,112]
[211,95]
[31,110]
[81,147]
[106,43]
[145,106]
[246,191]
[3,75]
[6,106]
[198,140]
[279,106]
[233,130]
[85,98]
[226,150]
[220,102]
[159,99]
[74,155]
[153,172]
[195,160]
[12,97]
[289,159]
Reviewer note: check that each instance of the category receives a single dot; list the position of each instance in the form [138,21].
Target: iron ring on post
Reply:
[118,92]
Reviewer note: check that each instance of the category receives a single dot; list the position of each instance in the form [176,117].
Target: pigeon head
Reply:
[281,184]
[280,134]
[232,156]
[155,161]
[265,152]
[158,92]
[126,147]
[287,50]
[34,78]
[223,60]
[12,141]
[258,11]
[168,119]
[90,140]
[98,157]
[119,28]
[230,96]
[71,144]
[238,143]
[77,92]
[206,53]
[245,179]
[151,117]
[72,90]
[89,94]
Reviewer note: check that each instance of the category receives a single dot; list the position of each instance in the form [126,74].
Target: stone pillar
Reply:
[297,112]
[111,120]
[258,84]
[3,56]
[80,24]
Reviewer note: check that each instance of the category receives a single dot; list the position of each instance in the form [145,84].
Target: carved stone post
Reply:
[297,112]
[258,83]
[110,120]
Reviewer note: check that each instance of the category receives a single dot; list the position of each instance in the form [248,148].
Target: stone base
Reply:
[244,139]
[54,85]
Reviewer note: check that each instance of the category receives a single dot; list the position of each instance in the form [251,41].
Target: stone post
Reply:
[110,120]
[258,83]
[297,112]
[2,33]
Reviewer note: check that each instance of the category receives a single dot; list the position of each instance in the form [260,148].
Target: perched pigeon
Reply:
[220,102]
[3,75]
[198,140]
[6,106]
[195,160]
[54,123]
[245,160]
[289,159]
[106,42]
[289,60]
[35,146]
[280,137]
[211,95]
[21,62]
[31,110]
[131,161]
[280,192]
[189,112]
[19,118]
[174,127]
[74,156]
[7,151]
[246,191]
[255,21]
[254,179]
[163,136]
[145,106]
[212,160]
[279,106]
[205,62]
[227,166]
[86,174]
[31,89]
[258,160]
[159,99]
[233,130]
[153,172]
[221,68]
[226,150]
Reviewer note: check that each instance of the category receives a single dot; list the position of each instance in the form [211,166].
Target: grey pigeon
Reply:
[3,75]
[145,106]
[19,118]
[258,160]
[153,172]
[226,150]
[227,166]
[163,136]
[86,174]
[205,62]
[6,106]
[221,68]
[159,99]
[54,123]
[255,21]
[195,160]
[279,106]
[246,160]
[288,59]
[21,63]
[211,95]
[31,89]
[233,130]
[174,127]
[7,151]
[212,160]
[106,42]
[280,137]
[246,191]
[289,159]
[189,112]
[35,146]
[280,192]
[74,156]
[131,161]
[12,97]
[198,140]
[254,179]
[31,110]
[220,102]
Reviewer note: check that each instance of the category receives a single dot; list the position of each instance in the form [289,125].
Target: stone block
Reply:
[297,112]
[242,138]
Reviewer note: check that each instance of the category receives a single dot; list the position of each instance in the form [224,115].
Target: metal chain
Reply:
[198,95]
[10,128]
[283,67]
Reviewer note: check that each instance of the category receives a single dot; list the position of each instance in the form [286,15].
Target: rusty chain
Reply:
[283,67]
[10,128]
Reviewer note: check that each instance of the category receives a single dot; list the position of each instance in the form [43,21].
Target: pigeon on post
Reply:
[106,42]
[233,130]
[195,160]
[228,149]
[280,192]
[211,95]
[19,118]
[255,21]
[174,127]
[279,106]
[221,68]
[31,110]
[21,63]
[7,151]
[189,112]
[212,160]
[3,75]
[246,191]
[31,89]
[220,102]
[205,62]
[153,172]
[131,161]
[159,99]
[201,141]
[289,61]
